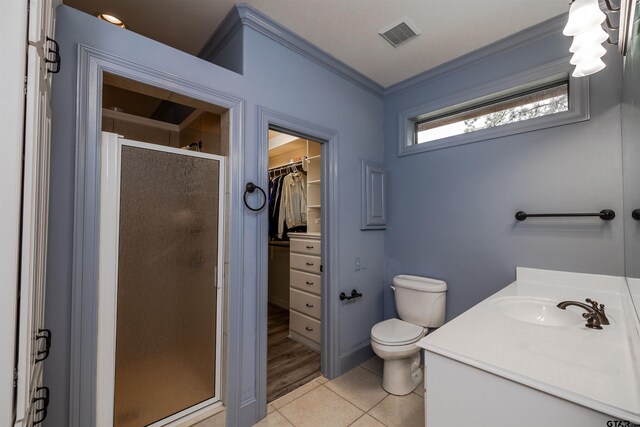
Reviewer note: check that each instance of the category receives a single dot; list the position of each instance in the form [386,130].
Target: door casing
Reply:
[329,358]
[92,64]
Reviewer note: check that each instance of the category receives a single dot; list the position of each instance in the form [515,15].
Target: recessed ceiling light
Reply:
[111,19]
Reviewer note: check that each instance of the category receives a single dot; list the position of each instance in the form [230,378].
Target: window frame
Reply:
[528,80]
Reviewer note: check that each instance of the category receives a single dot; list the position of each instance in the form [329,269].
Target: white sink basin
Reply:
[536,311]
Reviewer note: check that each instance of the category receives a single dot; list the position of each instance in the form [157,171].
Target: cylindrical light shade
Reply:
[588,55]
[589,39]
[584,15]
[585,69]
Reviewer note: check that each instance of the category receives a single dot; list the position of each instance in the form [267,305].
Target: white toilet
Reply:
[420,303]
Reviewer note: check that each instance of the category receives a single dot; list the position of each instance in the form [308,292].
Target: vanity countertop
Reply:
[599,369]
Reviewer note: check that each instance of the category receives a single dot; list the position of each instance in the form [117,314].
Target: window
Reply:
[533,99]
[512,109]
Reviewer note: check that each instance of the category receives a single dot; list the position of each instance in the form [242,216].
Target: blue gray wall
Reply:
[291,84]
[631,153]
[452,210]
[274,77]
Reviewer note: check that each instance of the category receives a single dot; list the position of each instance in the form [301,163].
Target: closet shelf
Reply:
[315,181]
[314,157]
[313,206]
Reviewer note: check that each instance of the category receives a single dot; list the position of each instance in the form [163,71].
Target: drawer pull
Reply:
[309,263]
[309,305]
[309,283]
[308,329]
[309,247]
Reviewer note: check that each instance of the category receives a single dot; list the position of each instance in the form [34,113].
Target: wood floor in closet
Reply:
[289,364]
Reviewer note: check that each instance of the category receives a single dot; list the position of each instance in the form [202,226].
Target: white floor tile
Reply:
[218,420]
[321,407]
[274,419]
[360,387]
[374,365]
[367,421]
[400,411]
[289,397]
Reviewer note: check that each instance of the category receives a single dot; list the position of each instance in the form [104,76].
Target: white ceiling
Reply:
[347,29]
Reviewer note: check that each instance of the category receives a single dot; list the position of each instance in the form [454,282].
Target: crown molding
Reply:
[243,14]
[229,26]
[486,53]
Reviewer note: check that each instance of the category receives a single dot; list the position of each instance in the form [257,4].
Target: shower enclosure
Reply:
[160,282]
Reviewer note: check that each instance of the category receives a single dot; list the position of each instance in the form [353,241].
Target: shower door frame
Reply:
[111,155]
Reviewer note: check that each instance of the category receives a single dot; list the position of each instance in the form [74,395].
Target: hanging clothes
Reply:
[293,202]
[275,185]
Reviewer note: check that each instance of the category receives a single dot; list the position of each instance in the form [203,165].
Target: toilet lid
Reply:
[396,332]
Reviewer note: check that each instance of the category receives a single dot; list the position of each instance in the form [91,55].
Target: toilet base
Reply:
[402,376]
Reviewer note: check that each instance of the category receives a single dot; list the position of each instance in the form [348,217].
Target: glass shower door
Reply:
[167,297]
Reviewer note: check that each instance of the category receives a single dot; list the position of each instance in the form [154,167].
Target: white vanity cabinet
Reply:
[517,359]
[458,394]
[305,278]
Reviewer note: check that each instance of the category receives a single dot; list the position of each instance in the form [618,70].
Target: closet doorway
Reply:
[294,263]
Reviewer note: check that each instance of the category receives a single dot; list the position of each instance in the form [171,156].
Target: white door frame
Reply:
[111,155]
[92,63]
[13,35]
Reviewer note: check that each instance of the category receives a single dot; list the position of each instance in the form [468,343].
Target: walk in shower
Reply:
[160,282]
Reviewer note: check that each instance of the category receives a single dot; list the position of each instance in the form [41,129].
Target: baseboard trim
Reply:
[355,356]
[279,302]
[247,416]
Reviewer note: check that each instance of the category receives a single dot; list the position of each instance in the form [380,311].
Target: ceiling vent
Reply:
[400,32]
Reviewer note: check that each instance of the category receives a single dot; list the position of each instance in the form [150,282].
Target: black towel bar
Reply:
[605,214]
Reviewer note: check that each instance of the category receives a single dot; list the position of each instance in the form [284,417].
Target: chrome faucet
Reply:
[595,313]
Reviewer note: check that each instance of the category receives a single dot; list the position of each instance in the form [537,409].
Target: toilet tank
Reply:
[420,300]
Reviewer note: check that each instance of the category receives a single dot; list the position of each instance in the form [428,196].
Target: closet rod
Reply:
[288,165]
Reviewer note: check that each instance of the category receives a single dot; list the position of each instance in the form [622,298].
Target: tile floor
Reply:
[354,399]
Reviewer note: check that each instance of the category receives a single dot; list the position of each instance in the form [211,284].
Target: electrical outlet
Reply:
[358,263]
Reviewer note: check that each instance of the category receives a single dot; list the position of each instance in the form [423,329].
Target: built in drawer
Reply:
[308,263]
[308,282]
[305,246]
[304,325]
[306,303]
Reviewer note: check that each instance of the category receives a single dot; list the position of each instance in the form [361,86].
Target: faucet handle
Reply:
[594,304]
[593,321]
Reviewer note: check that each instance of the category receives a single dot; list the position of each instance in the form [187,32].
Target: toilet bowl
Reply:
[395,342]
[420,303]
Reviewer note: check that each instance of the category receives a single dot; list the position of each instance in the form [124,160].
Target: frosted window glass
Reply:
[166,305]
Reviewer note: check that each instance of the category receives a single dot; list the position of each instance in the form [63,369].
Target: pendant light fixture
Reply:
[585,26]
[584,15]
[591,38]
